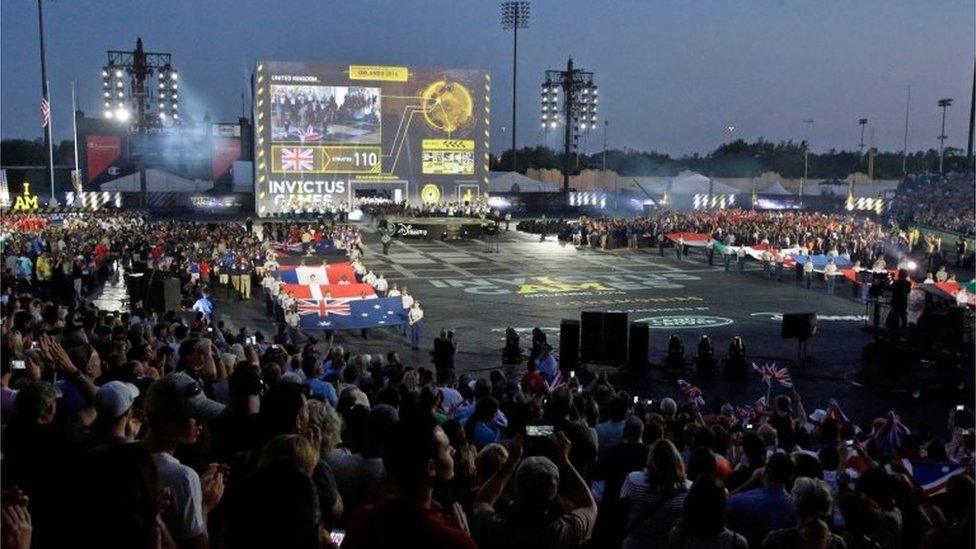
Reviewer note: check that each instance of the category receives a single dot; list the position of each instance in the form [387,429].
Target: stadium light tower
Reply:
[580,98]
[127,94]
[515,16]
[944,103]
[862,122]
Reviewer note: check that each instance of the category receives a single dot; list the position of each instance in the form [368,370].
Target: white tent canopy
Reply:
[776,188]
[514,182]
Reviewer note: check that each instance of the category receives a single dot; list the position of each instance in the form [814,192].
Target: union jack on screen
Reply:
[296,159]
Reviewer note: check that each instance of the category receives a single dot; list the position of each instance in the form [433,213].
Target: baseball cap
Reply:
[178,395]
[536,481]
[115,398]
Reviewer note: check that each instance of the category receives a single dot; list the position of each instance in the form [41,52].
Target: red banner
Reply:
[225,150]
[101,152]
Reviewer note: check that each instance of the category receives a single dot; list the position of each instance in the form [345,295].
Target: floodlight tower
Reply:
[515,16]
[127,97]
[944,104]
[580,98]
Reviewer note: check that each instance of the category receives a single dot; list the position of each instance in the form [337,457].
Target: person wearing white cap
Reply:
[113,424]
[177,408]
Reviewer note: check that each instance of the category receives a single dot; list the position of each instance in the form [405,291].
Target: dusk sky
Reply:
[672,73]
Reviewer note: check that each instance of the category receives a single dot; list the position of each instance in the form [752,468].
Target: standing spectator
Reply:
[757,512]
[654,498]
[177,409]
[531,523]
[703,520]
[813,508]
[417,456]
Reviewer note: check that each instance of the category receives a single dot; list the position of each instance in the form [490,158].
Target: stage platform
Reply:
[438,228]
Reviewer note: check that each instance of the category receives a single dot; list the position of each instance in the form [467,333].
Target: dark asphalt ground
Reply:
[464,287]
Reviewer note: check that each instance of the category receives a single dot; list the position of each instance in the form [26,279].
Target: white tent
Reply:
[514,182]
[157,181]
[696,183]
[776,188]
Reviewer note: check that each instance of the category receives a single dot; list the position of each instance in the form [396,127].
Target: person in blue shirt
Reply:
[313,370]
[479,427]
[546,364]
[757,512]
[204,305]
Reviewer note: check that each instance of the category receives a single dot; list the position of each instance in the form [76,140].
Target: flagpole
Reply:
[50,148]
[74,127]
[45,94]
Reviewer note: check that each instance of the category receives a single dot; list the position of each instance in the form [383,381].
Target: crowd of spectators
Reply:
[380,207]
[859,237]
[132,429]
[937,202]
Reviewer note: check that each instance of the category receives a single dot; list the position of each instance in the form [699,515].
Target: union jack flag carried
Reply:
[692,392]
[308,134]
[770,372]
[323,307]
[556,382]
[297,159]
[289,247]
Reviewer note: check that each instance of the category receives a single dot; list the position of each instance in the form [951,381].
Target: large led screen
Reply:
[326,133]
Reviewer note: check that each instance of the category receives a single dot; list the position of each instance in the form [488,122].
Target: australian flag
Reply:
[350,314]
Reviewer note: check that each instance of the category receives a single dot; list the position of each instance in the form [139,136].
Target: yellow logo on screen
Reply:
[377,72]
[430,193]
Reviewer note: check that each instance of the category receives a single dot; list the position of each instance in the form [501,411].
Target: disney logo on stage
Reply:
[406,229]
[778,317]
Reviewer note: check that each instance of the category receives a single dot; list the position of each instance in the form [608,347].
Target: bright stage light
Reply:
[118,84]
[552,124]
[104,73]
[175,85]
[118,73]
[122,114]
[108,114]
[173,75]
[911,265]
[176,116]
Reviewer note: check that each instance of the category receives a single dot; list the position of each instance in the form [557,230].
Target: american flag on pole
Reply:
[770,372]
[691,392]
[297,159]
[45,112]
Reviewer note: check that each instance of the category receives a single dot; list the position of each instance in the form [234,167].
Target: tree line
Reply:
[734,159]
[741,159]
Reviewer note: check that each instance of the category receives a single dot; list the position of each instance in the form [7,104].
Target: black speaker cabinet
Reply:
[591,336]
[569,344]
[615,338]
[799,325]
[638,346]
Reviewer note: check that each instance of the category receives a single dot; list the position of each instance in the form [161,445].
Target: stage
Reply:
[438,228]
[527,284]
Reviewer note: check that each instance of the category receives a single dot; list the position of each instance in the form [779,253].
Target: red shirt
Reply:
[205,269]
[533,383]
[397,523]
